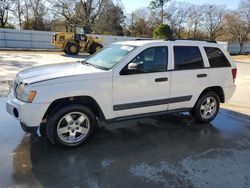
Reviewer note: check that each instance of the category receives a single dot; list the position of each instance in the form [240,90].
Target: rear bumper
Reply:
[30,114]
[229,91]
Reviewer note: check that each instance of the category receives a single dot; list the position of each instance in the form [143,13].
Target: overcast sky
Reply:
[131,5]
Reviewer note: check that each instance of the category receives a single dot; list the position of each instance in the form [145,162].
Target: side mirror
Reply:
[135,67]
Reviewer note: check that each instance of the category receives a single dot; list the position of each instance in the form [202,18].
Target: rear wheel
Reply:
[207,107]
[72,48]
[71,125]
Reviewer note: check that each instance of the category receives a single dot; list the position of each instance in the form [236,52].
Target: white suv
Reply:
[125,80]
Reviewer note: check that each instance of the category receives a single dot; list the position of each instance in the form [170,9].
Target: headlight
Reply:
[25,95]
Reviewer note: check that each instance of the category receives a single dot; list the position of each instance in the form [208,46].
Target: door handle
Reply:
[161,79]
[201,75]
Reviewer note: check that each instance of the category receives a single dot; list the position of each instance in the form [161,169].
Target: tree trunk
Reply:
[162,12]
[241,47]
[2,23]
[195,30]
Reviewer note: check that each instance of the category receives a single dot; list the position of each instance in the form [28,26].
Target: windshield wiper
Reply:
[96,66]
[86,63]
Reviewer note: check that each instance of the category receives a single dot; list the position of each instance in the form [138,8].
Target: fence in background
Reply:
[234,48]
[11,38]
[27,39]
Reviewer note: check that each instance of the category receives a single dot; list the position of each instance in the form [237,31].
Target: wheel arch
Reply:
[84,100]
[217,89]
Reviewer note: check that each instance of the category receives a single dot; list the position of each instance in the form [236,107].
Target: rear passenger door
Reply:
[189,76]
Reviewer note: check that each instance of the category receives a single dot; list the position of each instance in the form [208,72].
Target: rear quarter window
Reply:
[216,57]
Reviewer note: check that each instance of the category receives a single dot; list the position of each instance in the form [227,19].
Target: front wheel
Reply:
[207,107]
[72,48]
[71,125]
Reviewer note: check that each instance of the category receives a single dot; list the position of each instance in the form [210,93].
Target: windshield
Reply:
[109,56]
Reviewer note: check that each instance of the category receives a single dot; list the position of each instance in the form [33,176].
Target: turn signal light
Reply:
[31,96]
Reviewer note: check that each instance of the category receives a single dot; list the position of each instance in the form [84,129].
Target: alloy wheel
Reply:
[208,107]
[73,127]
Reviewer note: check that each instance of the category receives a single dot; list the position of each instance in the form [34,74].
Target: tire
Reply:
[94,48]
[42,130]
[65,51]
[206,107]
[72,48]
[71,125]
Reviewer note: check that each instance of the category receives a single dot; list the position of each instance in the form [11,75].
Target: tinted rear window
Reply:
[216,57]
[187,57]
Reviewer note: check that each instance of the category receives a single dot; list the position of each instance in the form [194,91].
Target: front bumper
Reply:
[30,114]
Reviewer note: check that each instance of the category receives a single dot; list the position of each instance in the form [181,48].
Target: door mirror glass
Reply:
[135,67]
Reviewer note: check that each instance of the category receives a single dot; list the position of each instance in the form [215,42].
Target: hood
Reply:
[54,71]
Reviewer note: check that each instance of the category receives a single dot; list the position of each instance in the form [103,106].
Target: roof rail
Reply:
[212,41]
[144,39]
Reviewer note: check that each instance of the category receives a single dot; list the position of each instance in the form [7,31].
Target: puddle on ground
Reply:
[5,87]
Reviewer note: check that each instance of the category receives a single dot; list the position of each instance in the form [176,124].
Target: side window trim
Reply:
[168,61]
[204,56]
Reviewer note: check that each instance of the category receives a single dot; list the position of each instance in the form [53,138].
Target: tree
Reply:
[110,19]
[244,9]
[153,18]
[195,19]
[141,23]
[237,23]
[18,11]
[163,31]
[155,4]
[87,11]
[178,14]
[5,7]
[141,26]
[34,12]
[238,28]
[213,16]
[64,10]
[79,12]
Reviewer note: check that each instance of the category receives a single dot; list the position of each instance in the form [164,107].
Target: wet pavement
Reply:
[13,61]
[171,151]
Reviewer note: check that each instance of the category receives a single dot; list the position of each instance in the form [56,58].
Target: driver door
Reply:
[144,86]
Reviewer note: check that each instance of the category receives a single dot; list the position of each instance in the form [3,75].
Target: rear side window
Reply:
[216,57]
[187,57]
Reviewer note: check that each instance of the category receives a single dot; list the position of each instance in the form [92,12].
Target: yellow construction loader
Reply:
[75,40]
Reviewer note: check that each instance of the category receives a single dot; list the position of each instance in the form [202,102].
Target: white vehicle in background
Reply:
[126,80]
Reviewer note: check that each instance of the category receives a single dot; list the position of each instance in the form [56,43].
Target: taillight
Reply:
[234,73]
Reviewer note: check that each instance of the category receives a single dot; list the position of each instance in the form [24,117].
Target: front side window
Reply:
[109,56]
[216,57]
[187,57]
[152,60]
